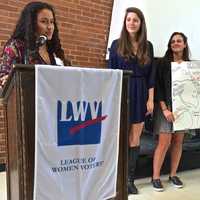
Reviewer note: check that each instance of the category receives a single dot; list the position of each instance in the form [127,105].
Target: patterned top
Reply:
[14,52]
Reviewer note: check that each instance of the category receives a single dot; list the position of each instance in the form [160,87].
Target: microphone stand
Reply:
[38,43]
[26,57]
[30,53]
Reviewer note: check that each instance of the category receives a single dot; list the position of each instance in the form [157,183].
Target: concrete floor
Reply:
[191,190]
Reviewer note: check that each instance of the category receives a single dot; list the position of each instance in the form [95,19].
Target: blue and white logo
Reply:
[79,123]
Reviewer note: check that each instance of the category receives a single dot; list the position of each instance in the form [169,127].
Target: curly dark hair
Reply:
[27,26]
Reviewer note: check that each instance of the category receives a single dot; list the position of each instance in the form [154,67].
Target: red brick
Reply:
[83,27]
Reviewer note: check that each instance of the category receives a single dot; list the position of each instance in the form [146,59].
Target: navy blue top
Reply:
[143,78]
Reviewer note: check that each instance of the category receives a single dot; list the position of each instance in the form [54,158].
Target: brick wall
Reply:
[83,26]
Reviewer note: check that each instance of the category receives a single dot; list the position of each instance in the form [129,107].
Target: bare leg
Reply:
[135,133]
[176,152]
[160,152]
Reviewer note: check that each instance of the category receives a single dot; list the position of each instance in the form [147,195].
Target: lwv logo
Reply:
[79,122]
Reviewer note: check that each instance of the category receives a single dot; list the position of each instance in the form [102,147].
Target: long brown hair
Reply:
[124,43]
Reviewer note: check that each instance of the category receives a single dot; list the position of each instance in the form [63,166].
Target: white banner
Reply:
[186,95]
[77,133]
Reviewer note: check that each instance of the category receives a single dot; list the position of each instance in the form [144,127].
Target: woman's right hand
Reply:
[3,80]
[168,115]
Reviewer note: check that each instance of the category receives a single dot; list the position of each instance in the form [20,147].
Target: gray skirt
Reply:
[160,124]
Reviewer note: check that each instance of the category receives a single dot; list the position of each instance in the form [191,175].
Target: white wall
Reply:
[163,17]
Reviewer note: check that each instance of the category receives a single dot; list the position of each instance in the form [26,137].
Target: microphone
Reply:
[41,41]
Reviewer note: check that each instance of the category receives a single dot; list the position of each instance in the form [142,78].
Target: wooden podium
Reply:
[19,100]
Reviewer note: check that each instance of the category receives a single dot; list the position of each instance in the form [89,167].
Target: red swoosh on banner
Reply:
[75,129]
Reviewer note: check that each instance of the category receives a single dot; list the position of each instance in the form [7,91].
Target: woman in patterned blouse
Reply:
[37,18]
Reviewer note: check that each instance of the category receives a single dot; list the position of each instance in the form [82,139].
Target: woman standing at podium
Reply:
[35,40]
[133,52]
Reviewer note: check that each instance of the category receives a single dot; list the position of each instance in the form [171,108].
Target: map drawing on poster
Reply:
[186,95]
